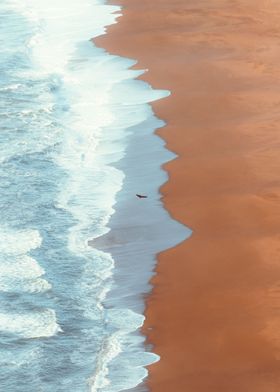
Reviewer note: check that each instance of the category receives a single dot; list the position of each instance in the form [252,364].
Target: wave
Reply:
[36,324]
[119,354]
[19,271]
[69,113]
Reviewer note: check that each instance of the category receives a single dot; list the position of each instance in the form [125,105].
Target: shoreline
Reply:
[213,314]
[139,229]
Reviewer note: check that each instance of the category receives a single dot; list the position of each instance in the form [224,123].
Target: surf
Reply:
[70,113]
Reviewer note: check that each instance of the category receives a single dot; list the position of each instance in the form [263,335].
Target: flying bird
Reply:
[141,196]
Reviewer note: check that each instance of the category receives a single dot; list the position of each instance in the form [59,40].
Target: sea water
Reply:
[68,111]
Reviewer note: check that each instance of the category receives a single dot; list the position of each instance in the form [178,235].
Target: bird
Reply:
[141,196]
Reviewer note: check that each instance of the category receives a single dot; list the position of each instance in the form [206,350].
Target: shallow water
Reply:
[68,114]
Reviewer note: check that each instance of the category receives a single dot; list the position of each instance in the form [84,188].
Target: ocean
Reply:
[77,248]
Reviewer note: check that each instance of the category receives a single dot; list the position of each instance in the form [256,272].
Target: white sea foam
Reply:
[109,350]
[29,325]
[19,271]
[60,25]
[18,242]
[119,355]
[95,101]
[22,273]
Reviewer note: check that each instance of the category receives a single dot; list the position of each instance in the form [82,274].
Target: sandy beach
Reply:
[214,313]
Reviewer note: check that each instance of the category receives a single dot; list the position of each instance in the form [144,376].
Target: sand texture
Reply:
[214,314]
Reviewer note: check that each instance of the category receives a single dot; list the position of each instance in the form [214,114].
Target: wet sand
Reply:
[214,313]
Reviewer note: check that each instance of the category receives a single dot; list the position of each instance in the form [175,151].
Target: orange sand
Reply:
[214,314]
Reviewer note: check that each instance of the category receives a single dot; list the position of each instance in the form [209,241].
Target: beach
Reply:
[213,315]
